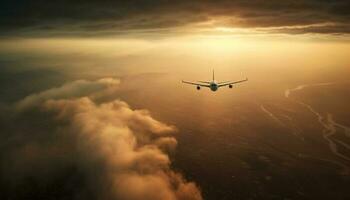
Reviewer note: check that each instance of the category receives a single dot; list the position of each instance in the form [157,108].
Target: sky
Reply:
[113,17]
[92,105]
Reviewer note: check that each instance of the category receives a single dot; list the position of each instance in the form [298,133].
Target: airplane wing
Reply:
[198,84]
[207,82]
[221,84]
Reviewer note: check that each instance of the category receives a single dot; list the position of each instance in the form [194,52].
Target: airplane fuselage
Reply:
[213,86]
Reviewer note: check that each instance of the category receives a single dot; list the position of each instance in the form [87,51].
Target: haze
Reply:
[92,104]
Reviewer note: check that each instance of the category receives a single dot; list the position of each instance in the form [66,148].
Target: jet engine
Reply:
[198,87]
[230,86]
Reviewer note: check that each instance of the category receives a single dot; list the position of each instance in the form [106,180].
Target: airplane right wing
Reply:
[231,83]
[198,84]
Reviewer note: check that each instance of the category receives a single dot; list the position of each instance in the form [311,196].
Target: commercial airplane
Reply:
[213,85]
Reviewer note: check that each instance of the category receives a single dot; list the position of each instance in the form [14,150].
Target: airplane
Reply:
[213,85]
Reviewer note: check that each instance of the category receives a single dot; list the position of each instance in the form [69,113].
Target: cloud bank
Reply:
[79,88]
[76,148]
[116,16]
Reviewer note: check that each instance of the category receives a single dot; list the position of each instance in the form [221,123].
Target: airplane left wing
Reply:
[198,84]
[231,83]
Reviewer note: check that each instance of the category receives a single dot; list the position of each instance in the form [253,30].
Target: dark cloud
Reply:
[326,29]
[87,17]
[61,144]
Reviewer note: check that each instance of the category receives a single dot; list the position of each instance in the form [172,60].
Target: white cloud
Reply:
[122,152]
[79,88]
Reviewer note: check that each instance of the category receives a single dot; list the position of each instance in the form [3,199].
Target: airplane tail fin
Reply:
[213,76]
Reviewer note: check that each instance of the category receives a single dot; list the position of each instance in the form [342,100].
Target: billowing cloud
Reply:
[74,89]
[111,17]
[89,150]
